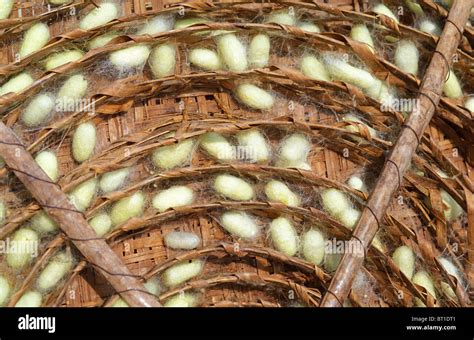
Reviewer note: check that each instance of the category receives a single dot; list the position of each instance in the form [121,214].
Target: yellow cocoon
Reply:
[407,57]
[429,27]
[311,67]
[259,50]
[284,236]
[31,299]
[182,300]
[282,17]
[16,83]
[233,187]
[61,58]
[294,150]
[182,272]
[3,212]
[111,181]
[130,57]
[313,246]
[361,33]
[335,201]
[183,23]
[452,87]
[6,7]
[48,162]
[404,258]
[343,71]
[382,9]
[349,217]
[255,145]
[205,58]
[174,197]
[5,289]
[279,192]
[217,146]
[171,156]
[54,271]
[25,247]
[254,96]
[182,240]
[127,208]
[356,182]
[309,27]
[163,60]
[102,40]
[469,104]
[101,15]
[38,110]
[422,278]
[83,141]
[452,209]
[452,270]
[81,196]
[35,38]
[331,261]
[240,224]
[160,23]
[353,128]
[101,224]
[381,92]
[42,223]
[75,87]
[233,52]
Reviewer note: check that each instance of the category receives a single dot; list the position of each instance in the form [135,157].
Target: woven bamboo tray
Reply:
[134,114]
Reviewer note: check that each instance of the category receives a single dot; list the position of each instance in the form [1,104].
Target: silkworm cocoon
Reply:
[163,60]
[217,146]
[54,271]
[42,223]
[283,17]
[153,286]
[35,38]
[26,246]
[101,15]
[284,236]
[469,104]
[422,278]
[382,9]
[48,162]
[174,197]
[254,96]
[101,224]
[415,7]
[311,67]
[128,208]
[294,149]
[111,181]
[452,87]
[279,192]
[102,40]
[259,50]
[343,71]
[313,246]
[16,83]
[349,217]
[233,187]
[83,141]
[354,128]
[31,299]
[335,201]
[407,56]
[181,300]
[38,110]
[6,7]
[5,289]
[255,145]
[429,27]
[160,23]
[130,57]
[119,303]
[81,196]
[240,224]
[331,261]
[309,27]
[381,92]
[452,209]
[182,272]
[205,58]
[451,269]
[361,33]
[3,212]
[171,156]
[182,240]
[233,52]
[357,183]
[377,243]
[183,23]
[61,58]
[404,258]
[58,2]
[75,87]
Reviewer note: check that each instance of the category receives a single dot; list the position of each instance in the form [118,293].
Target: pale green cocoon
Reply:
[284,236]
[356,182]
[163,60]
[277,191]
[35,38]
[331,261]
[341,70]
[16,83]
[82,195]
[349,217]
[130,57]
[128,208]
[160,23]
[174,197]
[452,86]
[256,147]
[58,2]
[75,87]
[42,223]
[407,57]
[38,110]
[355,128]
[452,209]
[171,156]
[6,7]
[233,187]
[259,50]
[5,289]
[377,243]
[25,247]
[469,104]
[361,33]
[48,162]
[404,258]
[311,67]
[217,146]
[422,278]
[102,40]
[294,150]
[182,300]
[83,141]
[3,212]
[182,272]
[54,271]
[119,303]
[282,17]
[313,245]
[452,270]
[429,27]
[182,240]
[153,286]
[381,92]
[335,201]
[101,224]
[254,97]
[382,9]
[233,52]
[101,15]
[240,224]
[205,58]
[415,7]
[111,181]
[31,299]
[62,58]
[183,23]
[309,27]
